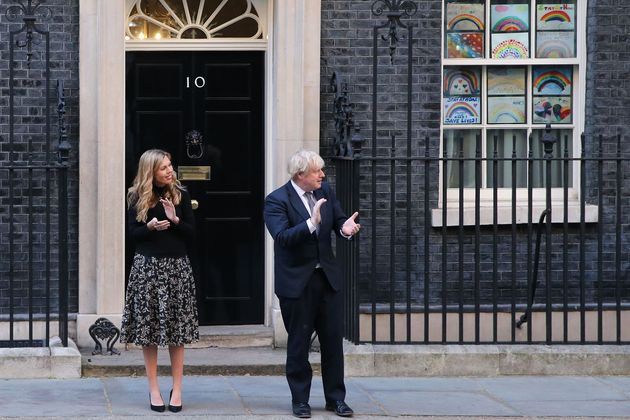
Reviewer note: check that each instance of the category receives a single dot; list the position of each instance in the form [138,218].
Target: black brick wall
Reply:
[346,47]
[30,146]
[608,83]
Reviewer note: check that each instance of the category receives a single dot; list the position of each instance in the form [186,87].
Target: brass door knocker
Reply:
[194,141]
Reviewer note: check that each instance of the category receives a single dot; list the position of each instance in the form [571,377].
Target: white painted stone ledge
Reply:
[55,361]
[485,360]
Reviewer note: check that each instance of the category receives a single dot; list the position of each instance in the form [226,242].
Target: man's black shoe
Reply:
[301,410]
[340,408]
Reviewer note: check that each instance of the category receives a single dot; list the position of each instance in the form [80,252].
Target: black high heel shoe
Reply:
[158,408]
[173,408]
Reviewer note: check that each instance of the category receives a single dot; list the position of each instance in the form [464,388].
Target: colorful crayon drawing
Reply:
[465,17]
[506,110]
[506,80]
[461,81]
[510,17]
[461,110]
[555,16]
[460,22]
[467,45]
[552,80]
[552,109]
[555,44]
[510,45]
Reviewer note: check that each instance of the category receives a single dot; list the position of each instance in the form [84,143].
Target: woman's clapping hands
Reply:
[155,224]
[169,209]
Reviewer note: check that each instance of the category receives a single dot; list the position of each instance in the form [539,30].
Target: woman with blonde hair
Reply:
[160,305]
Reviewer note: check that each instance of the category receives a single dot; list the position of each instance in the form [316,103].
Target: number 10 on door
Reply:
[198,81]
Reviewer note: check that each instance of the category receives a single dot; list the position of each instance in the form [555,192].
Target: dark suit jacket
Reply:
[297,251]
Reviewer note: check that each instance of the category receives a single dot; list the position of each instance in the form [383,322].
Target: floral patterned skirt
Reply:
[160,306]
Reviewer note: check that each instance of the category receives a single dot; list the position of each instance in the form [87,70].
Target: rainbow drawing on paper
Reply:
[555,16]
[509,24]
[552,80]
[555,109]
[510,18]
[465,17]
[466,45]
[461,81]
[555,44]
[506,80]
[510,45]
[461,110]
[506,110]
[458,22]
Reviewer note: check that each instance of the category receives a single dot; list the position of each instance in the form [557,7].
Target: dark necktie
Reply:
[310,199]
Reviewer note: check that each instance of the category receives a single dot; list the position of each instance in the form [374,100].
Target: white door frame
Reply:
[291,121]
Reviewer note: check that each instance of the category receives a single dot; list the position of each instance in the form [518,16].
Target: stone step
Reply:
[228,336]
[234,336]
[221,350]
[254,361]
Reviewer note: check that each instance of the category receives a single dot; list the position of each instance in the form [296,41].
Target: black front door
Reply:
[206,109]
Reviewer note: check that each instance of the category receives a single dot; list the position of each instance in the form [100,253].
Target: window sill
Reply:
[504,214]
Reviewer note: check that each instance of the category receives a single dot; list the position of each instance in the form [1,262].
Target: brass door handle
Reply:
[194,204]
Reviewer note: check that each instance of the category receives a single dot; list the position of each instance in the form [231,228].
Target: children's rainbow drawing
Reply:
[556,109]
[465,17]
[506,81]
[552,80]
[467,45]
[461,81]
[507,117]
[461,110]
[460,22]
[510,46]
[506,110]
[555,16]
[509,24]
[555,44]
[510,17]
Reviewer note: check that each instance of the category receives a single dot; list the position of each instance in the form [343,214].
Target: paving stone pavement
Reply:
[267,397]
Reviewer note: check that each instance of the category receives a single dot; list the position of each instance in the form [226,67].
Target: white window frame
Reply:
[262,8]
[504,195]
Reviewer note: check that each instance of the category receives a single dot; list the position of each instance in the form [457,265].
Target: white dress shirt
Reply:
[311,227]
[300,192]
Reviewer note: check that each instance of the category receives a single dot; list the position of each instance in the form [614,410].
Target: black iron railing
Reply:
[429,270]
[33,168]
[475,244]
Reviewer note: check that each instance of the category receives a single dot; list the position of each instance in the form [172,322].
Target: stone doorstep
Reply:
[221,350]
[227,336]
[55,361]
[239,336]
[254,361]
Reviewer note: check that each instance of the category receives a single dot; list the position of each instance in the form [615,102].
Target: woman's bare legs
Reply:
[177,371]
[150,363]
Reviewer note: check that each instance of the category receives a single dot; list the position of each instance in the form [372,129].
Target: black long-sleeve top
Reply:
[164,243]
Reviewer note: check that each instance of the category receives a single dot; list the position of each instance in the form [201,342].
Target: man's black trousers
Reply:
[319,309]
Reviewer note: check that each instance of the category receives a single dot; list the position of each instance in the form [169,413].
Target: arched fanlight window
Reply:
[192,19]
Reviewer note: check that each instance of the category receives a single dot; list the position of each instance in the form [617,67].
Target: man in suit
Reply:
[301,215]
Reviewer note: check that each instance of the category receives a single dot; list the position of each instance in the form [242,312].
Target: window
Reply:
[510,67]
[159,20]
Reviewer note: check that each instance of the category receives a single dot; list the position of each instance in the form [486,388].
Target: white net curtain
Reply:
[506,141]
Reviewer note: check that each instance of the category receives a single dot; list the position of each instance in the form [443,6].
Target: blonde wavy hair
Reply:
[141,194]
